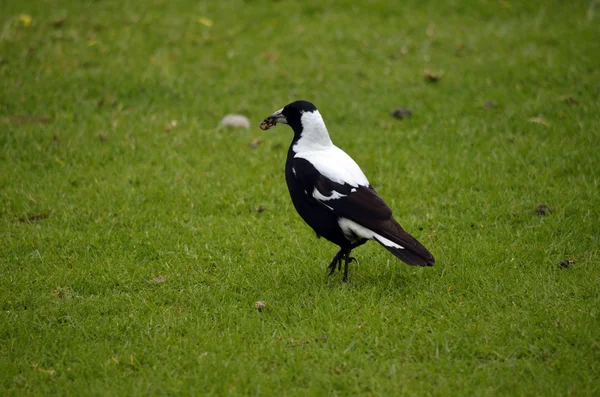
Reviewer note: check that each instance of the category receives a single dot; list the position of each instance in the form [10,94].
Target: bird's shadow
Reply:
[359,277]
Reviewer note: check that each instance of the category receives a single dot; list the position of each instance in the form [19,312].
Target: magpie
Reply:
[334,197]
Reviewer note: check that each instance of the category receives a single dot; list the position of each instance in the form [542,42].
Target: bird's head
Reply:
[310,132]
[291,114]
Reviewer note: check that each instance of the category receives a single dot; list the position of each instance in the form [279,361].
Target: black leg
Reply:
[357,244]
[337,260]
[348,259]
[344,254]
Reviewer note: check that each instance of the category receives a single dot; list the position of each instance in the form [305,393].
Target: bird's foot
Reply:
[336,262]
[349,259]
[332,267]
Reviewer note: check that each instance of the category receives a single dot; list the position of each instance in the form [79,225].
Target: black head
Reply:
[291,115]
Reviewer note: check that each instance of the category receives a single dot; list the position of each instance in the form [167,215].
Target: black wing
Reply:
[364,206]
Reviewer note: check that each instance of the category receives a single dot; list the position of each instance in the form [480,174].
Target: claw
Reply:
[331,268]
[349,259]
[337,260]
[331,271]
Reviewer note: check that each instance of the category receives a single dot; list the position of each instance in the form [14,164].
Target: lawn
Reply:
[137,235]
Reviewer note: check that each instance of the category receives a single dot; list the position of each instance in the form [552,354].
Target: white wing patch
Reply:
[352,229]
[334,164]
[334,195]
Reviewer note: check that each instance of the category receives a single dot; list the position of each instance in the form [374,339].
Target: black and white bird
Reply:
[333,195]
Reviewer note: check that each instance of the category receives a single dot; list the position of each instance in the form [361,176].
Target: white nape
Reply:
[316,147]
[314,133]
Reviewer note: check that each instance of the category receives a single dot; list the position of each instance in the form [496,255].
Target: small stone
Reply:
[401,113]
[490,104]
[159,279]
[565,264]
[431,77]
[543,209]
[169,126]
[235,121]
[260,305]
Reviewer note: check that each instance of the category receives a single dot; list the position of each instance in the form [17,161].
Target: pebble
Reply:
[235,121]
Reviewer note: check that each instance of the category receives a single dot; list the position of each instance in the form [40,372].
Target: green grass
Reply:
[83,308]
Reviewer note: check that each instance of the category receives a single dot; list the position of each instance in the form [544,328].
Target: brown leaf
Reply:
[260,209]
[432,77]
[50,371]
[538,120]
[260,305]
[569,100]
[270,57]
[107,100]
[294,342]
[430,31]
[170,125]
[159,279]
[36,217]
[62,292]
[255,142]
[59,22]
[102,137]
[340,369]
[23,119]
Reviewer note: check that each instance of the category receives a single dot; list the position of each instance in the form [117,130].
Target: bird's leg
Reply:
[349,259]
[337,260]
[346,262]
[358,243]
[344,254]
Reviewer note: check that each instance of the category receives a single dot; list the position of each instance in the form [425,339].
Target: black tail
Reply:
[412,252]
[410,257]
